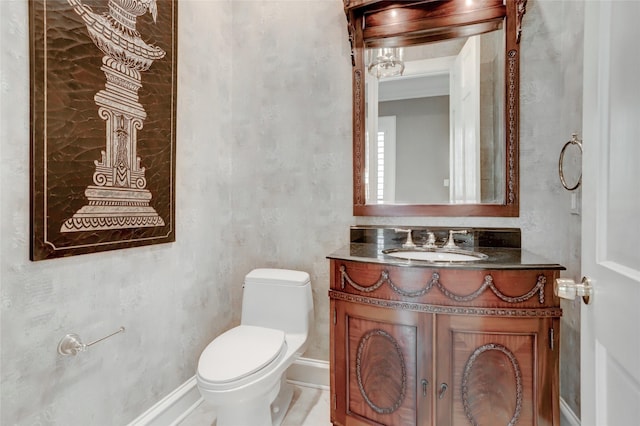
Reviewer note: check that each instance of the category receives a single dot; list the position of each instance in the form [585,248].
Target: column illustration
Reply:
[118,198]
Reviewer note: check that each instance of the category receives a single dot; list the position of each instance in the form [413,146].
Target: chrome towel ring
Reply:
[574,141]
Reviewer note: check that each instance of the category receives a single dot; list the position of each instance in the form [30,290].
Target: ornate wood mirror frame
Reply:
[375,23]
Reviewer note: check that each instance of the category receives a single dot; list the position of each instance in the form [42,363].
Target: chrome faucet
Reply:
[451,243]
[431,241]
[409,243]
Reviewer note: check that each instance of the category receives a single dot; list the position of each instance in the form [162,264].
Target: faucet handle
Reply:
[409,243]
[451,243]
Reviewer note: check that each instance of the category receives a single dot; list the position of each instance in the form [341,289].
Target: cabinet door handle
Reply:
[443,389]
[425,383]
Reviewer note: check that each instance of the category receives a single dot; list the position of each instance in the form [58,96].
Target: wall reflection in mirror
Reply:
[435,131]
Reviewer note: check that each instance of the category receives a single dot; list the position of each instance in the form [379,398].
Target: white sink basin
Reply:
[436,255]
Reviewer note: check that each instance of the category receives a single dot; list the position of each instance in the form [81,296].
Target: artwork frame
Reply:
[103,79]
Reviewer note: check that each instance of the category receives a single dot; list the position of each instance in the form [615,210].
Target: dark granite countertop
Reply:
[498,258]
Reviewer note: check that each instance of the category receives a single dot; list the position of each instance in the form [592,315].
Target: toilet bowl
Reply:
[241,373]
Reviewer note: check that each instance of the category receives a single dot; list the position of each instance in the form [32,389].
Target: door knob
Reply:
[566,288]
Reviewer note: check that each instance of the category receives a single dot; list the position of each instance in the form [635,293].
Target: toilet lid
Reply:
[239,352]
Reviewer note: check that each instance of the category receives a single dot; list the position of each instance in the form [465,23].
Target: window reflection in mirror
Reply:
[439,127]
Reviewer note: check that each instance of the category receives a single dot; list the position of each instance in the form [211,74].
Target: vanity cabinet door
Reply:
[381,366]
[496,371]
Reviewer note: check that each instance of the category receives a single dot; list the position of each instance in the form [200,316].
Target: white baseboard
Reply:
[567,416]
[173,408]
[312,373]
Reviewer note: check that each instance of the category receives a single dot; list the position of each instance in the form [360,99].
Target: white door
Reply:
[610,347]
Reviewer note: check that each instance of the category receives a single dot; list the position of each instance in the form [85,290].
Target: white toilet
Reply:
[242,372]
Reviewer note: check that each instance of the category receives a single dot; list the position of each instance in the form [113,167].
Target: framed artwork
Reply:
[103,124]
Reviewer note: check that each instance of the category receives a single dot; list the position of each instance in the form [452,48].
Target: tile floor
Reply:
[309,407]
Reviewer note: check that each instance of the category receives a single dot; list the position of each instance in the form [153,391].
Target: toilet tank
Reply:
[278,298]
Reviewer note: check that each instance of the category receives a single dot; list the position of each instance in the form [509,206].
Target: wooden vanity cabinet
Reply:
[421,346]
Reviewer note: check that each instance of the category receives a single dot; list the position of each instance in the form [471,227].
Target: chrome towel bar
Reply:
[71,344]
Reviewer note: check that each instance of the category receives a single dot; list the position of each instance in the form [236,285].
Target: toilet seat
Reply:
[239,353]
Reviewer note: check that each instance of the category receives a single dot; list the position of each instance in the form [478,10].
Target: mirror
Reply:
[441,138]
[434,142]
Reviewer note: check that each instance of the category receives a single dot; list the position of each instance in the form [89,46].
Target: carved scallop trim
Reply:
[435,279]
[363,341]
[384,277]
[467,371]
[448,310]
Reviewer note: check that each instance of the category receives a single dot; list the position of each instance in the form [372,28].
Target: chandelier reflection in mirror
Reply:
[386,62]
